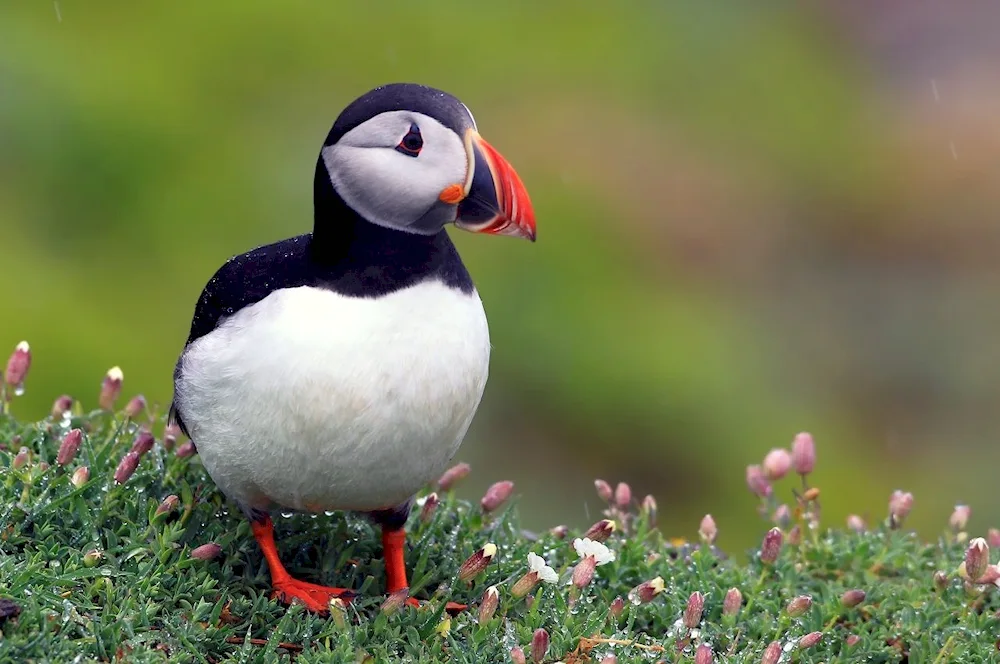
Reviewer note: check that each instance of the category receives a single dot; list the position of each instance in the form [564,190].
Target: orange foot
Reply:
[452,608]
[314,597]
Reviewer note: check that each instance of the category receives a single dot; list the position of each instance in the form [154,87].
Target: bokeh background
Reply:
[752,221]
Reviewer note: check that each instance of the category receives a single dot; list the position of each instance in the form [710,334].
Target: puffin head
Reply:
[409,157]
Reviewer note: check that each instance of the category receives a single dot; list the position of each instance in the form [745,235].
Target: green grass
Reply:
[144,598]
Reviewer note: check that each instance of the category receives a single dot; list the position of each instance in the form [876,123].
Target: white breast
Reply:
[313,400]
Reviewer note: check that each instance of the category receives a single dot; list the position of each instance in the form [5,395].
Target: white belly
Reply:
[316,401]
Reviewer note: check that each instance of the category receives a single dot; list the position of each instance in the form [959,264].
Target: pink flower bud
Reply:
[941,580]
[623,495]
[609,659]
[959,517]
[583,573]
[524,585]
[649,508]
[772,653]
[143,442]
[794,536]
[782,516]
[977,558]
[604,490]
[18,365]
[852,640]
[693,610]
[559,532]
[703,655]
[395,601]
[126,467]
[732,603]
[992,575]
[517,656]
[170,435]
[135,406]
[852,598]
[803,453]
[771,546]
[810,639]
[856,523]
[757,482]
[600,531]
[707,529]
[111,388]
[206,551]
[477,562]
[488,605]
[186,449]
[43,466]
[777,463]
[539,644]
[993,538]
[453,476]
[646,591]
[900,504]
[69,447]
[798,606]
[168,505]
[80,476]
[21,458]
[428,508]
[61,406]
[617,607]
[496,495]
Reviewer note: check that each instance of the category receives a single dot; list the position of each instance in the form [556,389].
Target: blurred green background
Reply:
[752,221]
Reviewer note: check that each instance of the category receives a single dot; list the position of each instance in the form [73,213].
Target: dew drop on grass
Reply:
[287,515]
[19,389]
[329,512]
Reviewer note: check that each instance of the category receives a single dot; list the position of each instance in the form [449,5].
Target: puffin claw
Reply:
[314,597]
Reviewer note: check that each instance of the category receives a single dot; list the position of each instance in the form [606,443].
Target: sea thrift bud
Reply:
[170,435]
[43,466]
[803,453]
[707,530]
[646,591]
[852,640]
[477,562]
[794,536]
[960,517]
[111,388]
[771,546]
[395,601]
[559,532]
[977,558]
[799,606]
[856,523]
[168,505]
[583,573]
[18,365]
[69,447]
[772,653]
[692,612]
[206,551]
[941,579]
[517,656]
[539,644]
[80,476]
[600,531]
[617,607]
[430,504]
[609,659]
[649,507]
[732,603]
[993,538]
[143,443]
[991,575]
[852,598]
[782,516]
[496,495]
[488,605]
[126,467]
[604,490]
[92,557]
[185,450]
[810,639]
[453,476]
[757,482]
[900,504]
[623,495]
[777,463]
[21,458]
[62,405]
[135,406]
[810,494]
[703,655]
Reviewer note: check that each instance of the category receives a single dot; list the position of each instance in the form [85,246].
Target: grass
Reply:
[95,574]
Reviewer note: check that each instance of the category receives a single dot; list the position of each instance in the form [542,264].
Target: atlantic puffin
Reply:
[340,369]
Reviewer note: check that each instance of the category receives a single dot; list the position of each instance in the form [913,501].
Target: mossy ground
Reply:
[144,598]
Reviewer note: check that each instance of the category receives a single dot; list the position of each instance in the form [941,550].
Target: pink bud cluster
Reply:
[779,462]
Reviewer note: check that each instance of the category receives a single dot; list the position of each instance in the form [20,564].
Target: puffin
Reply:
[339,370]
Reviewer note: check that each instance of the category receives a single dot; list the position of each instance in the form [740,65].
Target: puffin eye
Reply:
[412,142]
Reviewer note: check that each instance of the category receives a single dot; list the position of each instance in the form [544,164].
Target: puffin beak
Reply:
[493,198]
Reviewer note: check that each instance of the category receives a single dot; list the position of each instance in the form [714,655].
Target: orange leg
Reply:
[393,541]
[316,598]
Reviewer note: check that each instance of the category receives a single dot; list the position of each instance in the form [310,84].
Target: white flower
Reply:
[545,573]
[587,547]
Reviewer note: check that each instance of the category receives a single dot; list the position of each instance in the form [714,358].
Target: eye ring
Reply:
[412,143]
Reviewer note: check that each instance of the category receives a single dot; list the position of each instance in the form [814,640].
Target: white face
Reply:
[377,174]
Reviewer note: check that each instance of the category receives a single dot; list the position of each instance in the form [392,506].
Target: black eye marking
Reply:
[412,142]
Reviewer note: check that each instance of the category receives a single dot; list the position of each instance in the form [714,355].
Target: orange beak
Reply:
[495,200]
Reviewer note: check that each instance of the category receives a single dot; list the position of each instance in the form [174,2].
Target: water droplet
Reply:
[287,515]
[19,389]
[329,512]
